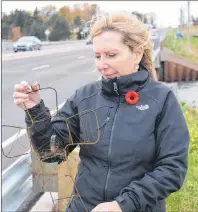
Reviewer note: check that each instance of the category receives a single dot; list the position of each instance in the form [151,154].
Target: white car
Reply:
[27,43]
[154,35]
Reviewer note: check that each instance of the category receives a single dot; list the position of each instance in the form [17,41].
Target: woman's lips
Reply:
[109,76]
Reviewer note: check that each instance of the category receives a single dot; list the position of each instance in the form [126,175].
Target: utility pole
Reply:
[97,12]
[188,44]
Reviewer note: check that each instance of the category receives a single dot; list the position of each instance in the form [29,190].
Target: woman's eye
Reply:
[111,55]
[97,57]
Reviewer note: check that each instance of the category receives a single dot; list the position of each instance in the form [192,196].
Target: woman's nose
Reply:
[101,65]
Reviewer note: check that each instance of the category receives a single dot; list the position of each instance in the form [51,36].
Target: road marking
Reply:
[16,136]
[81,57]
[40,67]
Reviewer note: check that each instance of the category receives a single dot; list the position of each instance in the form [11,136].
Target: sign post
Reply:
[47,32]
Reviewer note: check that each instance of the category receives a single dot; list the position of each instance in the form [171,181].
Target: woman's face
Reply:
[112,57]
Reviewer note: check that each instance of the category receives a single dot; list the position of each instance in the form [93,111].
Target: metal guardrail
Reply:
[17,188]
[16,184]
[19,177]
[17,181]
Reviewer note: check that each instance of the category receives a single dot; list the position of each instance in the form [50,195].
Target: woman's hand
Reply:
[107,207]
[24,97]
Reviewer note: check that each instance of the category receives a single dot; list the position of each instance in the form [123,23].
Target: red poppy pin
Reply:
[132,97]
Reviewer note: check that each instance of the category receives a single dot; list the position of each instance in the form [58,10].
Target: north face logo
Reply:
[142,107]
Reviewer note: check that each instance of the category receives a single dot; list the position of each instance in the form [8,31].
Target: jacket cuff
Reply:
[125,203]
[36,113]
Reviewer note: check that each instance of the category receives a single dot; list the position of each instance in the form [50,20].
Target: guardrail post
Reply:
[54,177]
[44,175]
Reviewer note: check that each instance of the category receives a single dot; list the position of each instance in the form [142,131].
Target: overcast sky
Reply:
[167,11]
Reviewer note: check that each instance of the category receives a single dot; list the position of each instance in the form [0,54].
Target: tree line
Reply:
[63,23]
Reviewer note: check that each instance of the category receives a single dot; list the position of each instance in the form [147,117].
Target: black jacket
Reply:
[141,156]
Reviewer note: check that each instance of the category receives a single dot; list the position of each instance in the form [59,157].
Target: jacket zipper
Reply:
[115,86]
[111,138]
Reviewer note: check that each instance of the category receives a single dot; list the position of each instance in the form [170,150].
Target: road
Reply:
[45,50]
[161,34]
[63,71]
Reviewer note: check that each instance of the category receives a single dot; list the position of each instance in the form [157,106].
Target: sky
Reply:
[166,11]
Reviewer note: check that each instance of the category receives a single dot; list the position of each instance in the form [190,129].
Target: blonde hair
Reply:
[135,35]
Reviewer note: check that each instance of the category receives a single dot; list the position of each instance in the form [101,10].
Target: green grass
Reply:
[186,200]
[179,46]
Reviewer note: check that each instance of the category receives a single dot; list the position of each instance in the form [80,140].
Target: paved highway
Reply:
[64,71]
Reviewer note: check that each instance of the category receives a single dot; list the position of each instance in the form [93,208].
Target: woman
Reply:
[141,157]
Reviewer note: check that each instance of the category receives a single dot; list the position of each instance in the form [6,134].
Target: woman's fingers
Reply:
[19,101]
[22,88]
[20,95]
[19,88]
[26,87]
[35,86]
[24,83]
[25,96]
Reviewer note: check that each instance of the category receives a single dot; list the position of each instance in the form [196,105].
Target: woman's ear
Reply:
[138,54]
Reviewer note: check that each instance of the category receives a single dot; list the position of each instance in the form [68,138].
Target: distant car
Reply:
[152,29]
[88,41]
[154,35]
[27,43]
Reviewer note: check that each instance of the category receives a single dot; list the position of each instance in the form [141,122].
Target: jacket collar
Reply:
[119,86]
